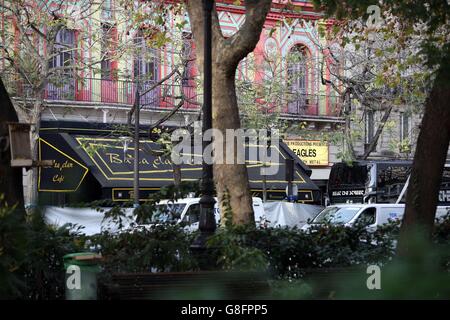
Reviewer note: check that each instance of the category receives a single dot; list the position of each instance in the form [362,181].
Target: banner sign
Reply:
[311,152]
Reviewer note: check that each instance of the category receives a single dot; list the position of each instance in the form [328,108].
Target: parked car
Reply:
[269,214]
[187,212]
[370,215]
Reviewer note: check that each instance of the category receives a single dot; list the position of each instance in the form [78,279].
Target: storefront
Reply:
[93,162]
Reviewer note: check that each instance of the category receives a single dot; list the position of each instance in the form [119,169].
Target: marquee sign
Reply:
[111,162]
[116,164]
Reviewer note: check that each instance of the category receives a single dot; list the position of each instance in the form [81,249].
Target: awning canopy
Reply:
[110,160]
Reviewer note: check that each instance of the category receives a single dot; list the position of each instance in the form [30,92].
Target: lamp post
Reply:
[207,223]
[136,150]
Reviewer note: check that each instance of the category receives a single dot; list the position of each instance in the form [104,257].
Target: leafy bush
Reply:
[156,248]
[43,268]
[12,250]
[31,255]
[286,252]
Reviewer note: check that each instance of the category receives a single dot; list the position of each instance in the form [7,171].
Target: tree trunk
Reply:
[429,160]
[34,172]
[11,186]
[231,178]
[227,53]
[35,120]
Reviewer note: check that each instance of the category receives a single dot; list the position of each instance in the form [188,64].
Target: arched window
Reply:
[61,85]
[145,70]
[299,79]
[145,66]
[189,70]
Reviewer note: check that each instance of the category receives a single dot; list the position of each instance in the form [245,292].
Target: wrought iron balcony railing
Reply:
[122,92]
[312,105]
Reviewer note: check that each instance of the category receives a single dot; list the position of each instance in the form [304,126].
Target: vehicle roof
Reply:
[381,205]
[396,161]
[376,162]
[196,200]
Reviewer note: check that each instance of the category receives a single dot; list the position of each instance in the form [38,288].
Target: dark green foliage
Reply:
[156,248]
[12,250]
[434,15]
[288,251]
[31,255]
[43,268]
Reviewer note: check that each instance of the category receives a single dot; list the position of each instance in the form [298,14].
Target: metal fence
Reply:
[154,96]
[313,105]
[109,91]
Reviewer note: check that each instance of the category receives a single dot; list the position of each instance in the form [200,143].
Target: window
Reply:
[145,62]
[367,217]
[344,175]
[106,51]
[107,9]
[193,214]
[336,215]
[370,126]
[145,70]
[63,51]
[61,65]
[404,126]
[390,181]
[188,55]
[299,75]
[166,213]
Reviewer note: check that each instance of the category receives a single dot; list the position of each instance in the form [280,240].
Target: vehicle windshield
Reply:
[167,213]
[344,175]
[336,215]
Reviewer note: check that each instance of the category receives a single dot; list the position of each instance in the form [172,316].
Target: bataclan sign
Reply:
[111,163]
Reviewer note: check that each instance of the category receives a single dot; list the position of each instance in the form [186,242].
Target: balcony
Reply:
[113,92]
[122,93]
[301,104]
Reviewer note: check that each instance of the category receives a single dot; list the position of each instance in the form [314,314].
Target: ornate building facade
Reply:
[105,92]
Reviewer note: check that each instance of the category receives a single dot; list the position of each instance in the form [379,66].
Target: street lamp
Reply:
[207,223]
[136,149]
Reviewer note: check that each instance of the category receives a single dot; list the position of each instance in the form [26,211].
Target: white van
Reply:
[370,215]
[187,212]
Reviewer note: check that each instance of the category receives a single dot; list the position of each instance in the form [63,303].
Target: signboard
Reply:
[111,162]
[64,175]
[347,193]
[115,165]
[311,152]
[444,197]
[343,196]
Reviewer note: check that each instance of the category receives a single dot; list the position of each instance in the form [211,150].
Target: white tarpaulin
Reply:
[288,214]
[277,213]
[90,219]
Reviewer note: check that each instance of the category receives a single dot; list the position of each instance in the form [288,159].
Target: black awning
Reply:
[112,165]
